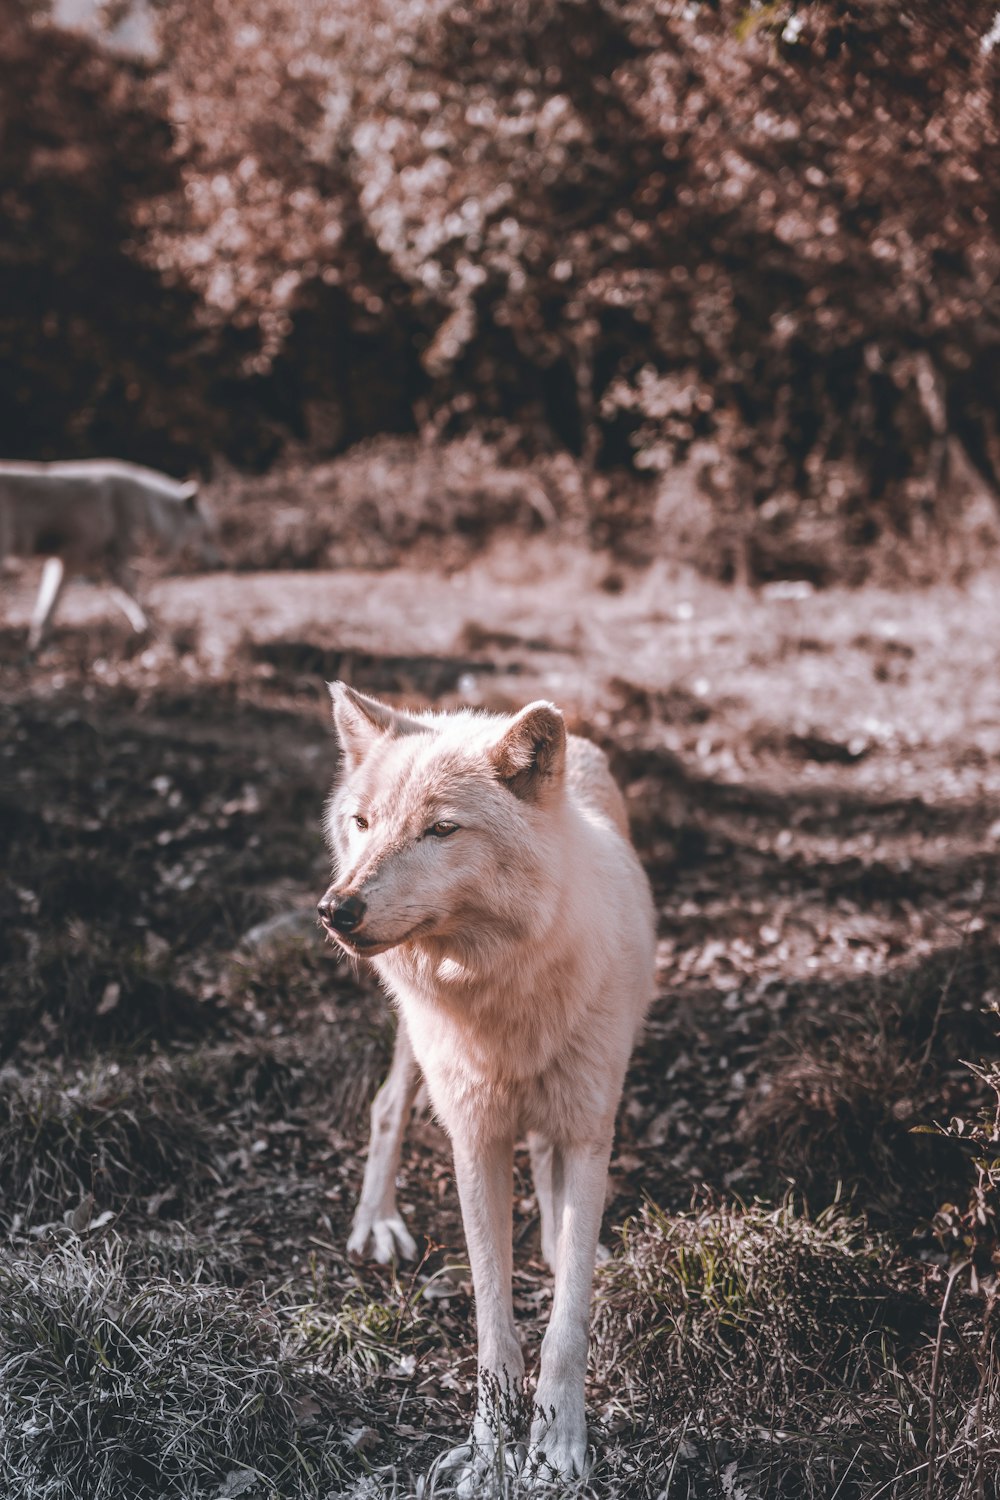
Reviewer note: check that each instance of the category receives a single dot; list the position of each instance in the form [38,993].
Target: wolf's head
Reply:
[178,521]
[444,828]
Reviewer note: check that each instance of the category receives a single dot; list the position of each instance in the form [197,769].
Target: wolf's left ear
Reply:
[360,721]
[531,754]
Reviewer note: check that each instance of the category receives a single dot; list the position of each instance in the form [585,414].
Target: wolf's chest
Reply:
[503,1081]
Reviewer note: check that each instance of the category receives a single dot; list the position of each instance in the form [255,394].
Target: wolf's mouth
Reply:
[358,944]
[368,947]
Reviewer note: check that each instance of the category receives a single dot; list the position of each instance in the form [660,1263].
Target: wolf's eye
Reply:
[441,830]
[360,822]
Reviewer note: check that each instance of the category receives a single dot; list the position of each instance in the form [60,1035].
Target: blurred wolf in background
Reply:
[93,515]
[483,863]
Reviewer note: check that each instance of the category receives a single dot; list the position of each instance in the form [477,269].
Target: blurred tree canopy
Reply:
[619,227]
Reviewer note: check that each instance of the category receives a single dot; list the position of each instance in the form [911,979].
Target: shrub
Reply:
[757,1306]
[383,501]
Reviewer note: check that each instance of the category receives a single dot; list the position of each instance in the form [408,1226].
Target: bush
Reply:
[380,503]
[755,1307]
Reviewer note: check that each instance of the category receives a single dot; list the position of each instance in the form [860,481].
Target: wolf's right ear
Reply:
[360,721]
[530,755]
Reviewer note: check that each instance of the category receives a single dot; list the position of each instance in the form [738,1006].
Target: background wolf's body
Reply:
[519,948]
[91,516]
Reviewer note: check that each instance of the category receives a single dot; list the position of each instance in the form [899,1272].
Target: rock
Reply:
[297,925]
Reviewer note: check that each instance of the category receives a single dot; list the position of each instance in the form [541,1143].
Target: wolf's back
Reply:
[592,784]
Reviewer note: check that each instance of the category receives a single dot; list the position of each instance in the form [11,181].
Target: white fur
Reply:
[92,514]
[519,951]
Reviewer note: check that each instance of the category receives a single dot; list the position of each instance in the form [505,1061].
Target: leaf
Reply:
[110,998]
[237,1482]
[363,1439]
[79,1219]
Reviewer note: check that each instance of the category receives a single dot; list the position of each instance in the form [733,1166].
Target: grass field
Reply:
[801,1299]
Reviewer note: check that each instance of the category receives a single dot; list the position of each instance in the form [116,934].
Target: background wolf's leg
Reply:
[377,1218]
[485,1173]
[123,593]
[51,586]
[130,608]
[549,1212]
[559,1431]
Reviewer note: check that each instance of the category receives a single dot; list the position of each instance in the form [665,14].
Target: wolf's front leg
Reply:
[559,1430]
[485,1175]
[377,1221]
[49,590]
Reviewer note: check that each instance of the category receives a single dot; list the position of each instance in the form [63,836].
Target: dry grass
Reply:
[739,1352]
[840,1092]
[330,1021]
[359,1337]
[758,1352]
[107,1137]
[113,1387]
[762,1304]
[386,498]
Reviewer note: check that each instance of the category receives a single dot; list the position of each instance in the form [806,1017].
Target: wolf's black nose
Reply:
[344,914]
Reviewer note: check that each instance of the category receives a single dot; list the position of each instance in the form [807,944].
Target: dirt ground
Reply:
[814,784]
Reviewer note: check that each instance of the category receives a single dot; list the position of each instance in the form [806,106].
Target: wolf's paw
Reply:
[558,1450]
[478,1467]
[380,1239]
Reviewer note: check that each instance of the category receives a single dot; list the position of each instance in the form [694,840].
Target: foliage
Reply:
[758,242]
[97,352]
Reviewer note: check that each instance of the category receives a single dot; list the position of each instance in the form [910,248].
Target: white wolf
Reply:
[483,864]
[93,514]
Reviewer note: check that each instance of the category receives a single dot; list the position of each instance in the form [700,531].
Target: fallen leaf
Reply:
[363,1439]
[110,998]
[237,1482]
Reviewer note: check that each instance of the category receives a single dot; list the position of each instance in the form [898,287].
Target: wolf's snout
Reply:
[342,913]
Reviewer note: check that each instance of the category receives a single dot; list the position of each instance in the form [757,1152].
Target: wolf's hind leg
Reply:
[51,586]
[130,608]
[548,1210]
[377,1220]
[559,1432]
[122,592]
[550,1205]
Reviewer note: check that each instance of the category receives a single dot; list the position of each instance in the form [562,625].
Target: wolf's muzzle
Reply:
[342,913]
